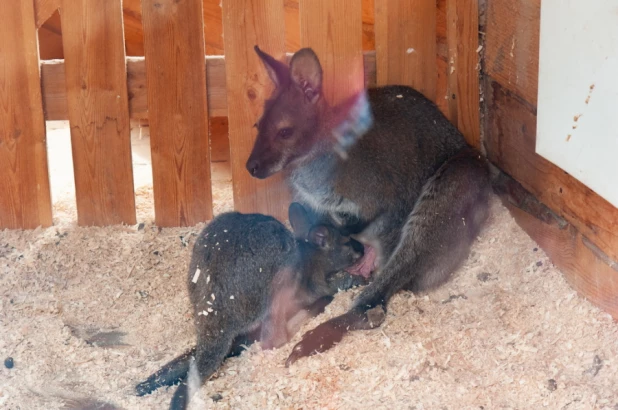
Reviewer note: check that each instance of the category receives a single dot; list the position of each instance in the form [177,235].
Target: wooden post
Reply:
[96,81]
[406,44]
[177,111]
[25,200]
[452,40]
[247,23]
[466,14]
[334,29]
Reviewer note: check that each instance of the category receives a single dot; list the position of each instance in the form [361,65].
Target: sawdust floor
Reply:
[506,332]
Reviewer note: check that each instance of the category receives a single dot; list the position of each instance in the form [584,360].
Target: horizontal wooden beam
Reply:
[55,98]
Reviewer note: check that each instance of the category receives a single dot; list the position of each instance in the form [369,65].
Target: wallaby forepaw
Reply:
[376,316]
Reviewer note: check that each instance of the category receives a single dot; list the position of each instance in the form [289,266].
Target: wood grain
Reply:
[466,70]
[334,31]
[443,73]
[133,28]
[510,137]
[406,44]
[43,10]
[592,273]
[178,111]
[50,38]
[98,111]
[25,200]
[219,140]
[512,45]
[585,249]
[262,23]
[55,99]
[452,74]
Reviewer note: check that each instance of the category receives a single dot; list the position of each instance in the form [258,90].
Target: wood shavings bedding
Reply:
[506,332]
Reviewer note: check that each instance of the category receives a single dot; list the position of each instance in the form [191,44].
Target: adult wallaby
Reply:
[410,189]
[251,278]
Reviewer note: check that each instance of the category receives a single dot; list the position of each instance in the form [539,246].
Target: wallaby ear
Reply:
[306,72]
[320,237]
[277,71]
[299,219]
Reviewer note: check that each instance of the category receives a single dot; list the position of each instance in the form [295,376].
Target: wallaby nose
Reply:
[252,166]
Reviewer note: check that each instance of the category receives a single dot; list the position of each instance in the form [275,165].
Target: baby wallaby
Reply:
[251,278]
[408,187]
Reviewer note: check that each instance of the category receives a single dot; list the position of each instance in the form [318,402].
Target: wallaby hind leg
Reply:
[170,374]
[208,358]
[176,370]
[435,240]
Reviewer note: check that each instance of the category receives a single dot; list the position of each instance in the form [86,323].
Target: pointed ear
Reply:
[306,72]
[299,219]
[277,71]
[320,236]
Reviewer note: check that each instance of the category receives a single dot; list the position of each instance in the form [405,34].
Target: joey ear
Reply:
[277,71]
[299,219]
[306,72]
[320,236]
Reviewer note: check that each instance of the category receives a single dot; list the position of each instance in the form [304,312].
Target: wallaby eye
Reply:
[285,133]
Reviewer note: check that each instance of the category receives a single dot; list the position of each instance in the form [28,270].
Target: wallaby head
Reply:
[290,123]
[327,248]
[298,123]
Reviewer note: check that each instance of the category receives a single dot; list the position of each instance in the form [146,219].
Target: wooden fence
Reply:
[429,44]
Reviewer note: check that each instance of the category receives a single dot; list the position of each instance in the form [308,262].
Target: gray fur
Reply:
[410,186]
[254,277]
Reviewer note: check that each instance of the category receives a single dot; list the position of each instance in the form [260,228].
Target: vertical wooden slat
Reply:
[452,39]
[334,30]
[177,111]
[406,44]
[466,69]
[442,66]
[245,24]
[96,81]
[25,200]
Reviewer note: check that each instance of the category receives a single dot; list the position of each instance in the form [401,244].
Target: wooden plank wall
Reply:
[51,30]
[248,23]
[25,200]
[464,67]
[178,112]
[586,246]
[178,168]
[433,46]
[98,111]
[406,44]
[334,31]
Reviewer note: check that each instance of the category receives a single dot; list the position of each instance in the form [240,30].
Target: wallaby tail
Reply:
[208,359]
[170,374]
